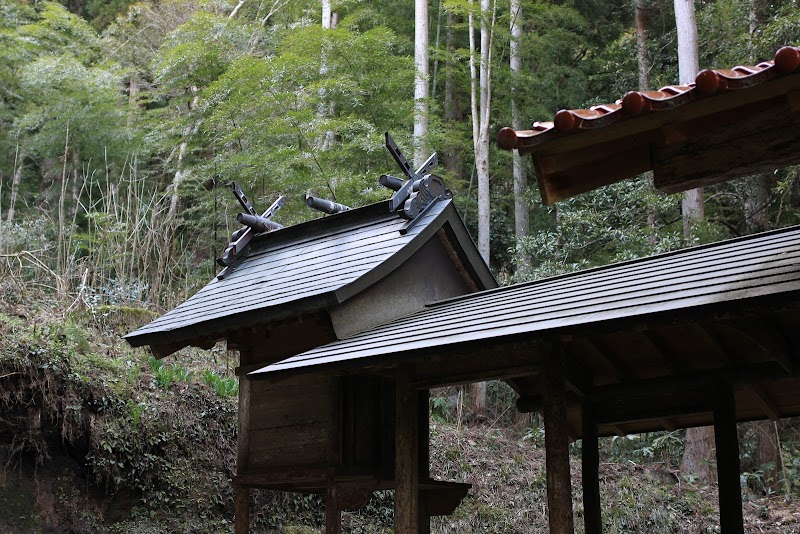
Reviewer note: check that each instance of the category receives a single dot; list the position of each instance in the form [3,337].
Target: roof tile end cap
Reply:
[787,59]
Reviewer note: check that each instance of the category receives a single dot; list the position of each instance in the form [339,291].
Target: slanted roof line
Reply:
[757,266]
[527,311]
[772,239]
[320,263]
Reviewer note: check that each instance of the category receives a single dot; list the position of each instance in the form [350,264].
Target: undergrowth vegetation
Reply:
[123,442]
[132,424]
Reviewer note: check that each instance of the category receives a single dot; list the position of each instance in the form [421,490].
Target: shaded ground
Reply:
[98,438]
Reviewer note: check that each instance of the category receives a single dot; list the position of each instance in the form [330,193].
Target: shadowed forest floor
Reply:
[98,438]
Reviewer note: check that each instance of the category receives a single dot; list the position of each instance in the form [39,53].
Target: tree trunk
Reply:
[60,253]
[768,455]
[420,80]
[641,46]
[478,406]
[481,112]
[521,209]
[698,454]
[688,67]
[15,180]
[452,110]
[326,108]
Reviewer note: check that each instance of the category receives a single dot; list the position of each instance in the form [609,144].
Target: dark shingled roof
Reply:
[756,266]
[308,267]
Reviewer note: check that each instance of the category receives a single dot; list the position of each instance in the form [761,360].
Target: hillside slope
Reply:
[98,438]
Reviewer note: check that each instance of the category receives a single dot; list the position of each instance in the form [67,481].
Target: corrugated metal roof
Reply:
[311,265]
[747,267]
[582,149]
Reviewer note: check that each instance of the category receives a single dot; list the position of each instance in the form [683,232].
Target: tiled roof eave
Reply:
[708,83]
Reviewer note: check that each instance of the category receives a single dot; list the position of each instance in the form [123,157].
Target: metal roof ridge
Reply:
[688,250]
[333,223]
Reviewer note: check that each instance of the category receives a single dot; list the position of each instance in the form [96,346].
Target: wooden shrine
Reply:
[340,339]
[287,290]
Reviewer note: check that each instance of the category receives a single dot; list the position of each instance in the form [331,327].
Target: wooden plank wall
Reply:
[290,422]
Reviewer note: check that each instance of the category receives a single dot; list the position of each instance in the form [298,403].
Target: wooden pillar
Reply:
[556,442]
[241,505]
[423,436]
[590,469]
[728,468]
[406,467]
[333,515]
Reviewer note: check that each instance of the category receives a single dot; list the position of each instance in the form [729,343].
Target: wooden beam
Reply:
[481,361]
[771,341]
[603,355]
[668,424]
[645,405]
[442,498]
[559,487]
[241,510]
[242,493]
[713,339]
[333,515]
[728,469]
[590,472]
[667,358]
[433,378]
[763,399]
[423,440]
[406,495]
[722,147]
[578,374]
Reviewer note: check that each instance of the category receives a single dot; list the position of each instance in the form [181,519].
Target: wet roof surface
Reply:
[755,266]
[318,263]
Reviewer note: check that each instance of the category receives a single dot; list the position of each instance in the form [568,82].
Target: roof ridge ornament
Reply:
[253,224]
[325,206]
[419,191]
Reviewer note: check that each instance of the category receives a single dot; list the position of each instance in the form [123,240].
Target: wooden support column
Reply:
[406,466]
[333,515]
[423,437]
[728,468]
[590,468]
[556,441]
[241,510]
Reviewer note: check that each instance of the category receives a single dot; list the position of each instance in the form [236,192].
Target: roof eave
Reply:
[166,342]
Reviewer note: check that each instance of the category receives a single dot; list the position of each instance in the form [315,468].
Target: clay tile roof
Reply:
[662,120]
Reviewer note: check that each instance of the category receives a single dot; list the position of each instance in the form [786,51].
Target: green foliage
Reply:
[222,386]
[602,227]
[196,53]
[440,409]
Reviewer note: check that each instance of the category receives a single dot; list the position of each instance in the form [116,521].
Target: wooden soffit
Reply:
[727,124]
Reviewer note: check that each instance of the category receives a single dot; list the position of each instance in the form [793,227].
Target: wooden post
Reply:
[590,469]
[406,467]
[728,468]
[423,436]
[241,510]
[556,442]
[333,515]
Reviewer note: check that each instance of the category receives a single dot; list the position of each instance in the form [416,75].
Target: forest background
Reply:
[122,125]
